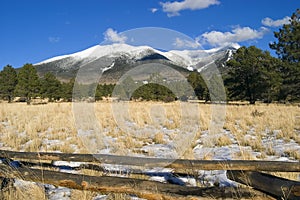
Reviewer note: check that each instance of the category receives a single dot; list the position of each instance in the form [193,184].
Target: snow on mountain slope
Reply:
[189,59]
[186,57]
[134,52]
[117,49]
[79,55]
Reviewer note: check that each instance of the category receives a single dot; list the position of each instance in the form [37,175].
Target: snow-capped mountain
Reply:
[121,57]
[98,51]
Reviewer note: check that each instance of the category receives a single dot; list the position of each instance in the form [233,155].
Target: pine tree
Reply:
[67,90]
[8,82]
[50,87]
[288,45]
[199,86]
[288,50]
[251,74]
[28,83]
[154,92]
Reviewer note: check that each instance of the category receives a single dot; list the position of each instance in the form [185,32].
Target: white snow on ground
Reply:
[66,163]
[161,150]
[57,193]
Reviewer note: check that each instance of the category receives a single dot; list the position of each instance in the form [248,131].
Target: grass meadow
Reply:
[262,131]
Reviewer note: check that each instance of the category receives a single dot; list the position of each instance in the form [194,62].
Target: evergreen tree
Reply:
[67,90]
[8,82]
[51,87]
[99,93]
[109,90]
[288,50]
[104,91]
[251,74]
[28,83]
[154,92]
[288,45]
[199,86]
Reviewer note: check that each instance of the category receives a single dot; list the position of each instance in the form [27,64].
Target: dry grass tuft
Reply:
[83,195]
[223,140]
[31,191]
[117,196]
[288,175]
[159,138]
[294,153]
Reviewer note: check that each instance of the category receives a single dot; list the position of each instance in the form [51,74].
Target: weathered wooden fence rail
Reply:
[237,170]
[176,164]
[106,184]
[275,186]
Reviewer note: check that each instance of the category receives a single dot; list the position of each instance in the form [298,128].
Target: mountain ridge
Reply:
[125,57]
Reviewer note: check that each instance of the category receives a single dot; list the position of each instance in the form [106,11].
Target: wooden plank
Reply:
[179,165]
[279,188]
[98,168]
[144,189]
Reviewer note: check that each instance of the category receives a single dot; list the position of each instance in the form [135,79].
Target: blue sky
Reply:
[34,30]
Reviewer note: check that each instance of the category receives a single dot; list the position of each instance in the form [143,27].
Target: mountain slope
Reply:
[116,59]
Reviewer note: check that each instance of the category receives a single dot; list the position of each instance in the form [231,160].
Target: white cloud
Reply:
[114,37]
[275,23]
[183,43]
[173,8]
[53,39]
[153,10]
[239,34]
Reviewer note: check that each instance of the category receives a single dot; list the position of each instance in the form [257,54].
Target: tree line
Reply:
[27,85]
[252,74]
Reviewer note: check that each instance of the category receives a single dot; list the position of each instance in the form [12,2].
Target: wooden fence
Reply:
[38,167]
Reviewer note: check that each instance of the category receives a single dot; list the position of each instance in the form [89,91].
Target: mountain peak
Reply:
[102,50]
[113,58]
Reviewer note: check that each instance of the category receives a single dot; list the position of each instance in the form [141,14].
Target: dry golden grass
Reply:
[223,140]
[272,117]
[27,127]
[83,195]
[52,127]
[294,153]
[159,138]
[113,196]
[31,191]
[255,143]
[244,155]
[270,150]
[288,175]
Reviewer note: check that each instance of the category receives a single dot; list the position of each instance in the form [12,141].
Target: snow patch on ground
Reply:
[57,193]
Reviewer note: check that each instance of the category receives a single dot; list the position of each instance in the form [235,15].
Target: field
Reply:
[154,129]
